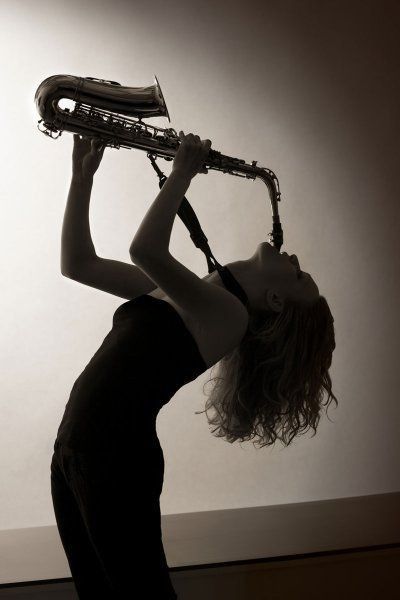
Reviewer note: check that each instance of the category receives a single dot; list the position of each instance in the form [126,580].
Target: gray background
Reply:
[310,90]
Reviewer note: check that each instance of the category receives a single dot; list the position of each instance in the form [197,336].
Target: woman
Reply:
[262,318]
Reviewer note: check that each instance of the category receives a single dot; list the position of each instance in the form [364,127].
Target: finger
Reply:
[206,144]
[206,149]
[191,137]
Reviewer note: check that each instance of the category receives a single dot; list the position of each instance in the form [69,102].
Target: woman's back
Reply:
[145,358]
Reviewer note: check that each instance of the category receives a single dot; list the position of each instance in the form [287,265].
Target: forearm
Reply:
[76,240]
[154,233]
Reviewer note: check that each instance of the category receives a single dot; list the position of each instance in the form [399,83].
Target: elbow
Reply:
[132,255]
[136,253]
[67,269]
[131,252]
[67,273]
[71,271]
[73,268]
[139,254]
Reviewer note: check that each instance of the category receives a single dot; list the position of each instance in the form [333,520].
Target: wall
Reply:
[309,90]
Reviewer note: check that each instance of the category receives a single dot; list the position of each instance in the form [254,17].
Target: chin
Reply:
[267,248]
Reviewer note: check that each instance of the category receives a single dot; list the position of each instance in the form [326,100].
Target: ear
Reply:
[274,301]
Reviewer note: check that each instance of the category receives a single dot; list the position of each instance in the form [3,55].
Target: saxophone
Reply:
[114,113]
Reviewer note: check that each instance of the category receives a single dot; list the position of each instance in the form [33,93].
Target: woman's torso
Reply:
[118,389]
[212,344]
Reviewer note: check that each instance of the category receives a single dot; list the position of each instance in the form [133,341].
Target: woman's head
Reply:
[270,278]
[272,385]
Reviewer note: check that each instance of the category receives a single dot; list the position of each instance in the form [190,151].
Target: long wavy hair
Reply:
[272,385]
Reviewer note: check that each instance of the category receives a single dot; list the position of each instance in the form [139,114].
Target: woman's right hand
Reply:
[86,155]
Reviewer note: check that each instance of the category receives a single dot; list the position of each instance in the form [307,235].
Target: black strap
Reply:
[233,285]
[190,220]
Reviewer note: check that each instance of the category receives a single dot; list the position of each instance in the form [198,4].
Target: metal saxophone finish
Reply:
[99,105]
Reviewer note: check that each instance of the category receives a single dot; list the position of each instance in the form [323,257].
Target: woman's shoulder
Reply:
[215,334]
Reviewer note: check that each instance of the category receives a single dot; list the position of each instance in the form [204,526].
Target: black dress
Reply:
[108,466]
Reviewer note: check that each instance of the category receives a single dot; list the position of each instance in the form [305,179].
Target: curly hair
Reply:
[271,386]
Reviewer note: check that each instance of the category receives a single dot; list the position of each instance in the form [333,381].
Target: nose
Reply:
[294,259]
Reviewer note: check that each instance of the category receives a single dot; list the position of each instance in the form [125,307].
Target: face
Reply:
[283,274]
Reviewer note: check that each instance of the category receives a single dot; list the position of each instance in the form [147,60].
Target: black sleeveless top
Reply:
[148,355]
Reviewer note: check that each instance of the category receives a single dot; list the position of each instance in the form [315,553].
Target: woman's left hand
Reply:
[191,155]
[86,155]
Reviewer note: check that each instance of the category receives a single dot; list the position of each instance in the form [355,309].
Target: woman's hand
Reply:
[191,155]
[86,156]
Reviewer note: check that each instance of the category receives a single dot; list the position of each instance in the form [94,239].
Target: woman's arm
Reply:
[76,241]
[114,277]
[154,234]
[79,260]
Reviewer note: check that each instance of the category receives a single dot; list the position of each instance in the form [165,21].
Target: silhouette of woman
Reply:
[107,467]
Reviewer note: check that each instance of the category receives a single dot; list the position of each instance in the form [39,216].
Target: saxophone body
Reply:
[114,113]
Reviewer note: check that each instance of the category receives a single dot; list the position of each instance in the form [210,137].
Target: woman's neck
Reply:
[235,268]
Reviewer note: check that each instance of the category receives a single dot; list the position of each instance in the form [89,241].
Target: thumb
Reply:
[97,145]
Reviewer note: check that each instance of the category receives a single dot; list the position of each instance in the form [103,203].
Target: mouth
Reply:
[293,260]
